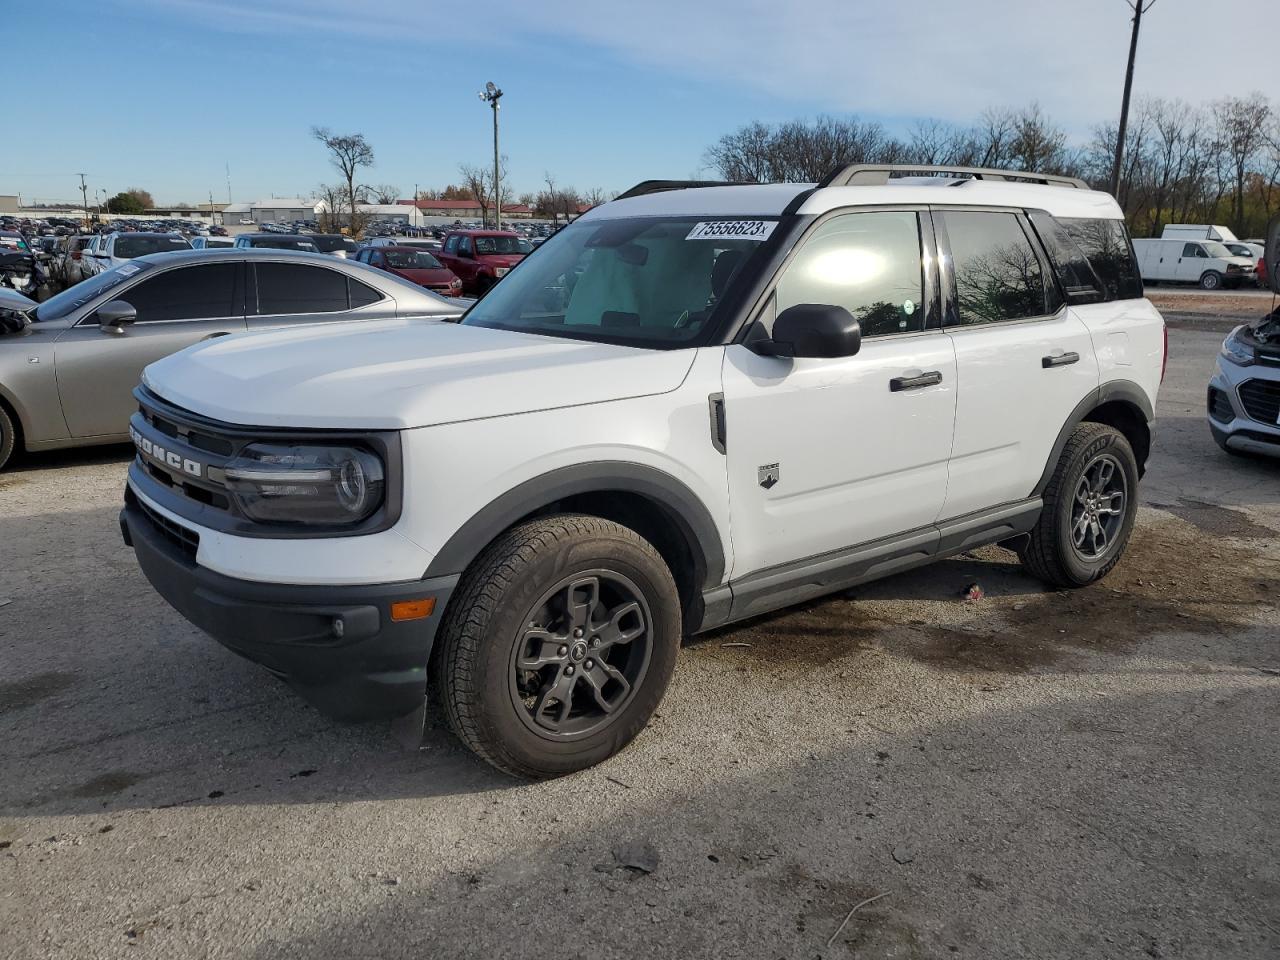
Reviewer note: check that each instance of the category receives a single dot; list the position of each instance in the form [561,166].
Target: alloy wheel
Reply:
[1098,508]
[581,655]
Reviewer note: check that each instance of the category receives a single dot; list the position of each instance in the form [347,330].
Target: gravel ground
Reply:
[1078,775]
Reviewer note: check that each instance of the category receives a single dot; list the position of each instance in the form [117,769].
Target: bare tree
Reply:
[1240,127]
[348,153]
[476,181]
[384,193]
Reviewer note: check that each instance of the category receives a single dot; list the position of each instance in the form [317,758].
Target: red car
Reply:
[415,265]
[482,257]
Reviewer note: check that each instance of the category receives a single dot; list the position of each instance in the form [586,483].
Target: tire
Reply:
[1052,553]
[520,590]
[8,437]
[1210,280]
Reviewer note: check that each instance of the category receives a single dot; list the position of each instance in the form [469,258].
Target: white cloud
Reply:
[923,58]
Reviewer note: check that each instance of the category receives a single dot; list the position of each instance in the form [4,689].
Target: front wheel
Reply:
[1089,509]
[8,437]
[558,645]
[1210,280]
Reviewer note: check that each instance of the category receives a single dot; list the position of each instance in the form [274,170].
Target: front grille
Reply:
[1220,406]
[1268,357]
[1261,399]
[192,435]
[188,541]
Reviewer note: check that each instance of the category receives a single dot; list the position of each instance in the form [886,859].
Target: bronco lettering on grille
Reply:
[168,458]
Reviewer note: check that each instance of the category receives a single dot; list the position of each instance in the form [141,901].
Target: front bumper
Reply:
[1229,420]
[369,667]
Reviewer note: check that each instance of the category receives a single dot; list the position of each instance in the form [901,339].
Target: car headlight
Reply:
[306,483]
[1236,350]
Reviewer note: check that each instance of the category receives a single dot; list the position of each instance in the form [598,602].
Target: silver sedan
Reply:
[68,366]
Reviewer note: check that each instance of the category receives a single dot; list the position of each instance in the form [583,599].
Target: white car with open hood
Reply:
[693,405]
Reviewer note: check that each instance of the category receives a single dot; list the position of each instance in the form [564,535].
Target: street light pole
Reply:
[1139,7]
[84,198]
[493,94]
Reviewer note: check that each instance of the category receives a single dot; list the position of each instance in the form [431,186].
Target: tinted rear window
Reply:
[285,288]
[330,244]
[127,246]
[1106,244]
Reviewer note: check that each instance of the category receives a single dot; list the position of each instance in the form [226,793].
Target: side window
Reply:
[286,288]
[361,294]
[1190,250]
[1072,267]
[1106,244]
[464,246]
[868,263]
[451,245]
[998,275]
[1201,252]
[188,293]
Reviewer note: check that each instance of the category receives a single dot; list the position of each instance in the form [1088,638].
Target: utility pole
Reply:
[1139,7]
[493,94]
[228,182]
[84,197]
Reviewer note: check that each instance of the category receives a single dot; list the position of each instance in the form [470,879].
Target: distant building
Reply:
[468,209]
[275,209]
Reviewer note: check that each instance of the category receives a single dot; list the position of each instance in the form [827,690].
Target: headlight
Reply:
[1236,350]
[306,483]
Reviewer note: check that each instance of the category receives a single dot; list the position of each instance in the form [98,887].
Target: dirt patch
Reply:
[1216,303]
[107,784]
[19,694]
[1222,521]
[1175,577]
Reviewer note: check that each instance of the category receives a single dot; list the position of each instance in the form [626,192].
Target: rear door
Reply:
[282,294]
[97,371]
[1024,360]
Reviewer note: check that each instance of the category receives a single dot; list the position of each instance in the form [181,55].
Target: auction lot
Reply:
[1081,775]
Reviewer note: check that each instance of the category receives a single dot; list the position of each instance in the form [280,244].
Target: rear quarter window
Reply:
[1106,245]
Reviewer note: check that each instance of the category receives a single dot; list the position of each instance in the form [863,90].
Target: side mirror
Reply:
[115,315]
[1271,257]
[819,330]
[13,321]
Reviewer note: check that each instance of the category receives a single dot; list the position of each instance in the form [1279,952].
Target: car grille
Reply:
[188,541]
[1261,399]
[1220,406]
[195,441]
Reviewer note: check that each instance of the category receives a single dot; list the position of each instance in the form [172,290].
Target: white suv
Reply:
[691,406]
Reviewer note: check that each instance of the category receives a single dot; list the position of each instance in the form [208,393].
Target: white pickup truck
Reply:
[693,405]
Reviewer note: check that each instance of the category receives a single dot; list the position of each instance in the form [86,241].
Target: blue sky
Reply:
[599,94]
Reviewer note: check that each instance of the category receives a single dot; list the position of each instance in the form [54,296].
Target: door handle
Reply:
[915,381]
[1060,359]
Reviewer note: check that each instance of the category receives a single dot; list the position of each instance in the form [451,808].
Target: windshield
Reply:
[57,307]
[418,260]
[129,246]
[642,282]
[13,242]
[1214,249]
[486,245]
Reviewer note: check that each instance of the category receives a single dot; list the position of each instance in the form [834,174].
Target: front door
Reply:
[1192,263]
[831,453]
[97,371]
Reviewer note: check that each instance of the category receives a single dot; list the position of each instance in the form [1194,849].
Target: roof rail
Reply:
[878,174]
[660,186]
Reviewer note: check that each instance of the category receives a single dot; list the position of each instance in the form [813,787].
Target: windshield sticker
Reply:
[732,230]
[128,270]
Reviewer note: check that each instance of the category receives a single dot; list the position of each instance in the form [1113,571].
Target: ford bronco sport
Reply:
[694,405]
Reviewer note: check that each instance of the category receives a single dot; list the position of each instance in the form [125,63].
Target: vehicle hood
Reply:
[441,275]
[399,374]
[501,259]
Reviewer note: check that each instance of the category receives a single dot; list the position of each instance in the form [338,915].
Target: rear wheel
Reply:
[558,645]
[1089,509]
[1210,280]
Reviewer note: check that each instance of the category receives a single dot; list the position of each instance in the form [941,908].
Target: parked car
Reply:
[1204,262]
[212,243]
[333,243]
[276,241]
[480,258]
[73,263]
[67,379]
[691,407]
[429,244]
[416,266]
[114,249]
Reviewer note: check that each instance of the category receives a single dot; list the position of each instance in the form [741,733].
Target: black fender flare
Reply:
[680,503]
[1125,391]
